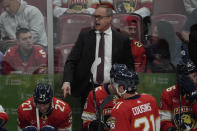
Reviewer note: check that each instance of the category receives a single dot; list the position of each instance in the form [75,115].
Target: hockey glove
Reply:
[2,129]
[1,122]
[172,129]
[48,128]
[188,89]
[95,125]
[30,128]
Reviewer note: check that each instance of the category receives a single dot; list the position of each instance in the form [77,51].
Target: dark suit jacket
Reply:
[77,69]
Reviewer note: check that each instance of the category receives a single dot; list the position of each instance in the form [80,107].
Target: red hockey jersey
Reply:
[139,55]
[60,116]
[169,111]
[138,113]
[4,116]
[89,114]
[36,64]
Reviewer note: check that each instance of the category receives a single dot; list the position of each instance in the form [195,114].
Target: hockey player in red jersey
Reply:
[93,114]
[178,109]
[136,112]
[137,48]
[3,118]
[44,112]
[25,57]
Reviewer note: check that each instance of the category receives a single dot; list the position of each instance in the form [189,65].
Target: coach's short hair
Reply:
[108,9]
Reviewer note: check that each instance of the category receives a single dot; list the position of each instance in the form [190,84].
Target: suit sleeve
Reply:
[129,61]
[73,60]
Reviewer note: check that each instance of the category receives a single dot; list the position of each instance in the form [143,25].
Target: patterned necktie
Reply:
[100,67]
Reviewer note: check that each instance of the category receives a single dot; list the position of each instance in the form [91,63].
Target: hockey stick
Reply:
[94,100]
[108,99]
[37,119]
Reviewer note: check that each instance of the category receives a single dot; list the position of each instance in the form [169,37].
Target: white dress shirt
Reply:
[107,56]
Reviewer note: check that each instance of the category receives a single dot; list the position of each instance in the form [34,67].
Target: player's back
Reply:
[139,113]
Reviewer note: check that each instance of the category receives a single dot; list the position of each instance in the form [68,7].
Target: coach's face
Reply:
[25,41]
[102,20]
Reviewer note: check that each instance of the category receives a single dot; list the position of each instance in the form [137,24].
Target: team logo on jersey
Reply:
[112,121]
[188,120]
[106,116]
[44,117]
[125,6]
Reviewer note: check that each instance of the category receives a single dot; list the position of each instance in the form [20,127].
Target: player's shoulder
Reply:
[11,51]
[29,101]
[169,92]
[60,105]
[98,90]
[146,96]
[170,89]
[39,51]
[137,44]
[61,109]
[26,107]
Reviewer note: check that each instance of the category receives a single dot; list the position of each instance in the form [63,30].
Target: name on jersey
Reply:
[141,109]
[107,111]
[183,109]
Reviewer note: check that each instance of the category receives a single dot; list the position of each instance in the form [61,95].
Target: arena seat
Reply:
[40,4]
[120,22]
[168,7]
[177,20]
[68,28]
[70,25]
[61,53]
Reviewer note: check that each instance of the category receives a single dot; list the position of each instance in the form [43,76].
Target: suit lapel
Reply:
[114,45]
[92,43]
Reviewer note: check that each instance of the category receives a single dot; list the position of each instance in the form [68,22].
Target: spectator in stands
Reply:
[164,51]
[73,6]
[25,57]
[190,6]
[141,7]
[85,57]
[138,50]
[191,10]
[3,118]
[78,6]
[18,14]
